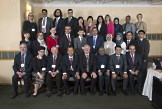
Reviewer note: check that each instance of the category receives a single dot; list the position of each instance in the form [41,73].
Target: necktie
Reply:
[56,22]
[69,39]
[94,41]
[82,41]
[69,19]
[43,21]
[71,61]
[132,58]
[22,69]
[54,60]
[87,58]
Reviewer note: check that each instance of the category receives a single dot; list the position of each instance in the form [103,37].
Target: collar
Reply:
[58,18]
[117,55]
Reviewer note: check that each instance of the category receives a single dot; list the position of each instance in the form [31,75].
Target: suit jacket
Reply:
[88,35]
[142,26]
[137,65]
[73,23]
[103,31]
[48,25]
[64,43]
[58,63]
[103,60]
[99,43]
[83,63]
[132,42]
[78,45]
[66,64]
[122,62]
[52,42]
[30,27]
[28,63]
[143,48]
[60,26]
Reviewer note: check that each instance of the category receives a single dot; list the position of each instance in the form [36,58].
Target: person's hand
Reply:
[114,75]
[19,74]
[108,73]
[136,72]
[64,76]
[40,76]
[94,75]
[23,73]
[132,72]
[77,75]
[84,75]
[100,73]
[125,75]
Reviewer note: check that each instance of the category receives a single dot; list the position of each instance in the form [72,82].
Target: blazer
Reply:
[142,26]
[49,25]
[50,41]
[73,23]
[60,26]
[103,60]
[90,32]
[83,63]
[99,43]
[103,31]
[78,44]
[58,63]
[110,29]
[66,64]
[137,65]
[143,48]
[28,63]
[117,29]
[64,43]
[132,42]
[122,62]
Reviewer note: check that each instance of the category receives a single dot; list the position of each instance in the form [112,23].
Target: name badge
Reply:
[88,34]
[124,32]
[117,66]
[33,29]
[57,46]
[127,50]
[22,65]
[43,26]
[107,46]
[43,69]
[83,48]
[102,66]
[53,66]
[94,47]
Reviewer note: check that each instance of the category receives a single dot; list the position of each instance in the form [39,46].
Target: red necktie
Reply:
[71,61]
[69,39]
[22,69]
[132,58]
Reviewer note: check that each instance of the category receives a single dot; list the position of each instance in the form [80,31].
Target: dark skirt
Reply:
[37,79]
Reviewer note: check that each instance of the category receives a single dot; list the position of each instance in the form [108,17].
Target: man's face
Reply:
[132,49]
[44,13]
[141,35]
[70,13]
[67,30]
[58,13]
[139,17]
[70,51]
[118,50]
[23,48]
[54,51]
[86,49]
[101,51]
[81,33]
[40,36]
[128,19]
[129,36]
[94,31]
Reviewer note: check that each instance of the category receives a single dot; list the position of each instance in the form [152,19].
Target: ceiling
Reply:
[150,2]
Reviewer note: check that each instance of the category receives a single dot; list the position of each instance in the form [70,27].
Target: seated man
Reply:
[103,71]
[134,68]
[22,69]
[118,67]
[88,69]
[70,69]
[54,70]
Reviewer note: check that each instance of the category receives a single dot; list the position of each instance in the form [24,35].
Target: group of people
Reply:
[65,48]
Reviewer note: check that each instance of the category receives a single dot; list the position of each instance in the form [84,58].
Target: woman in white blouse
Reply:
[120,42]
[109,45]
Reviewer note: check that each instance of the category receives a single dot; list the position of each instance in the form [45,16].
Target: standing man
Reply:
[22,70]
[118,67]
[72,22]
[45,23]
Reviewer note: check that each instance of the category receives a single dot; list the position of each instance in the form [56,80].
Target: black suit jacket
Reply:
[35,46]
[143,49]
[103,60]
[58,63]
[66,64]
[137,65]
[60,26]
[103,30]
[132,42]
[73,23]
[83,63]
[48,25]
[64,43]
[28,63]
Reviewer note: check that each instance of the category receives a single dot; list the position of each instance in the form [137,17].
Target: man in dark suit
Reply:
[54,71]
[96,41]
[72,22]
[143,49]
[134,63]
[66,40]
[118,67]
[59,22]
[22,70]
[45,23]
[103,71]
[129,40]
[71,69]
[88,69]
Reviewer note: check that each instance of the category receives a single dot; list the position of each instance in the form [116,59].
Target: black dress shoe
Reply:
[108,93]
[114,93]
[75,93]
[14,95]
[49,94]
[100,93]
[27,95]
[83,93]
[59,94]
[133,92]
[67,92]
[125,92]
[92,93]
